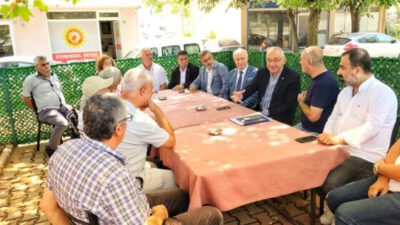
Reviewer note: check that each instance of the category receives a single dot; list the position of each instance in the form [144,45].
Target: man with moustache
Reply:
[184,74]
[277,87]
[362,122]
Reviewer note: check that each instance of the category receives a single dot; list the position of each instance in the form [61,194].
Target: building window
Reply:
[6,48]
[70,15]
[108,15]
[272,25]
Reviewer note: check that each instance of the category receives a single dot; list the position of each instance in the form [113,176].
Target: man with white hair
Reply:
[240,77]
[144,130]
[45,89]
[155,70]
[277,87]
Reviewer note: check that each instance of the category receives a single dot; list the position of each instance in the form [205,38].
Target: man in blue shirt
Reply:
[318,101]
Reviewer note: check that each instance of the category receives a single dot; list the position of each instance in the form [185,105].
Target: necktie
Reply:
[239,81]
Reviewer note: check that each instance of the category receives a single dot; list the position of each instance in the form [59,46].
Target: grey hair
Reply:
[315,53]
[39,58]
[276,49]
[143,50]
[113,72]
[240,50]
[203,53]
[101,114]
[134,79]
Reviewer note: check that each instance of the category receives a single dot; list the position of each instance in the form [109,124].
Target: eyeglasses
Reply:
[128,118]
[276,60]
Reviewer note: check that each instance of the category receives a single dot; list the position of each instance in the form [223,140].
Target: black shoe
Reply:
[49,151]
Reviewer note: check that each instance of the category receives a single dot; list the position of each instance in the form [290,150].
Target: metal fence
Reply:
[18,123]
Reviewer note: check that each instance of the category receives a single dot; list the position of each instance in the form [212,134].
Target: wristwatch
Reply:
[375,169]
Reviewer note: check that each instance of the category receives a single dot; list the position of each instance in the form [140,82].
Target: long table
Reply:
[246,163]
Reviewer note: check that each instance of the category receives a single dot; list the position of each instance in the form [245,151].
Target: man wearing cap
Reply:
[115,73]
[42,92]
[91,86]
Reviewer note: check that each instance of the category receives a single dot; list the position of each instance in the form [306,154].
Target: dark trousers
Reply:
[60,123]
[176,201]
[352,169]
[351,205]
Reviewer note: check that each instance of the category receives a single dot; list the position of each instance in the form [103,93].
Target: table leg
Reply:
[312,202]
[282,212]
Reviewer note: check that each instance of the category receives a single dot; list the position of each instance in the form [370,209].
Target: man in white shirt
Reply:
[362,121]
[156,71]
[374,200]
[144,130]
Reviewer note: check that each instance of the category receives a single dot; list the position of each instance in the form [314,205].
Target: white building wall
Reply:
[129,29]
[31,38]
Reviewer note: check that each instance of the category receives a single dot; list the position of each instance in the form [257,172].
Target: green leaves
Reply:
[20,8]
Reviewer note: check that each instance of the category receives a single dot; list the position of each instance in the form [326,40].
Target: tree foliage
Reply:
[358,8]
[20,8]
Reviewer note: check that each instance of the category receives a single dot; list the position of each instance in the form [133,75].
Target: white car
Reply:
[167,47]
[225,44]
[19,61]
[377,44]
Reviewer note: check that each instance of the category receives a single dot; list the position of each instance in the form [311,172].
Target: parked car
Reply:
[377,44]
[16,61]
[167,47]
[225,44]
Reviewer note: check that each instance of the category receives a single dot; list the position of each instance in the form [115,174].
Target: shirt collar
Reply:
[244,70]
[104,147]
[367,83]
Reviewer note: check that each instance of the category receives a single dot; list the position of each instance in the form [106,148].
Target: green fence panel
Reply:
[18,123]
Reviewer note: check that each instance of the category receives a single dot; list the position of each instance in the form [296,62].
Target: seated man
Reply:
[89,175]
[374,200]
[155,70]
[143,131]
[240,77]
[318,101]
[115,73]
[277,87]
[212,76]
[362,121]
[184,74]
[45,88]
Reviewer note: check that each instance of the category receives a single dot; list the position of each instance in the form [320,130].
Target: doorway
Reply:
[107,38]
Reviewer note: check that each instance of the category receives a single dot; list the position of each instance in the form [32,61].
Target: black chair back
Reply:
[395,131]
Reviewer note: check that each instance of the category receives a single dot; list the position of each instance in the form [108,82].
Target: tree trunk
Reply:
[355,19]
[279,38]
[313,23]
[293,29]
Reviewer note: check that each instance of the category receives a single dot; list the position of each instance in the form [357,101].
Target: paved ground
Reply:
[23,179]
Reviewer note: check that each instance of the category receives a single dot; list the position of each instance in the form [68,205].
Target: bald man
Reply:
[240,77]
[318,101]
[277,87]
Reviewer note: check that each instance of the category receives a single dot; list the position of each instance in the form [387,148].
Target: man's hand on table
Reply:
[192,89]
[178,87]
[329,139]
[237,96]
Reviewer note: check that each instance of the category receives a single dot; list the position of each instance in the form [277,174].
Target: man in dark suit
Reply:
[277,86]
[184,74]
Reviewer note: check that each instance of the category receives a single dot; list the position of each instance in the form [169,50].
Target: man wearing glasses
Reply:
[45,89]
[277,86]
[144,131]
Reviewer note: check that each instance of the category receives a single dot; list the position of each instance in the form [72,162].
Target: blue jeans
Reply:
[351,205]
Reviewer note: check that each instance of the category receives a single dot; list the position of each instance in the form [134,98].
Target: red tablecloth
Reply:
[245,163]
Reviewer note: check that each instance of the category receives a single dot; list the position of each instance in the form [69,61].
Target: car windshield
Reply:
[338,41]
